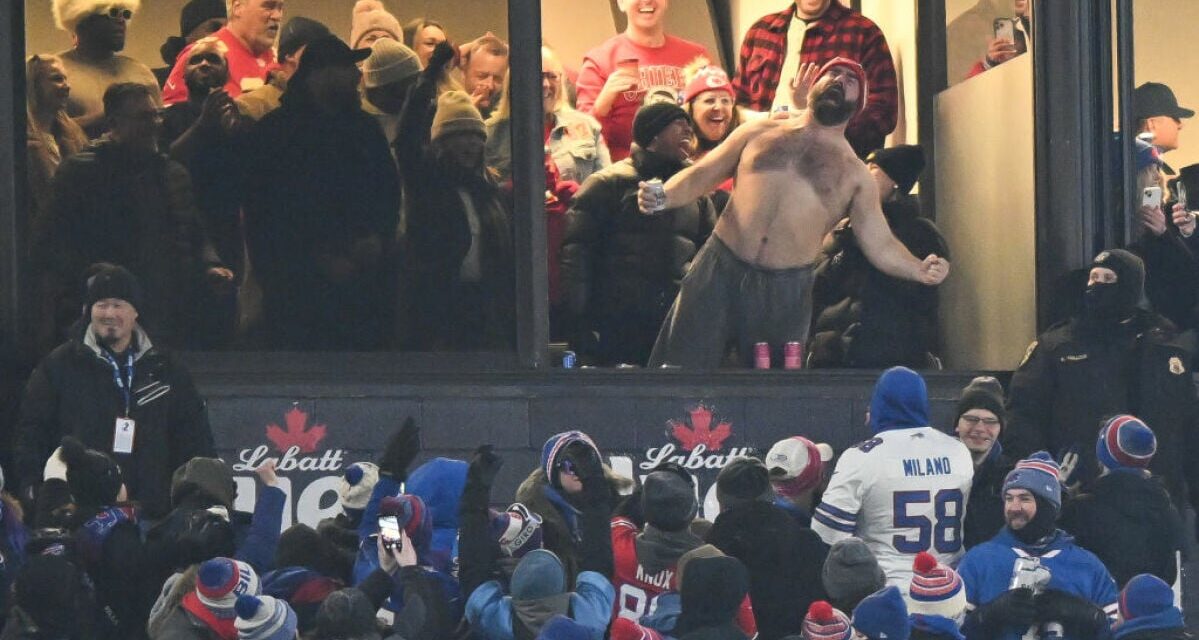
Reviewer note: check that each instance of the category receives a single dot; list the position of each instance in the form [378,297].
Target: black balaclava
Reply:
[1116,302]
[1042,525]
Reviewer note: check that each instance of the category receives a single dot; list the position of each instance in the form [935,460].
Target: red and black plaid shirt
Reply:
[839,32]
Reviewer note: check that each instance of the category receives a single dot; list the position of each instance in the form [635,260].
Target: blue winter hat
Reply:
[551,451]
[1039,474]
[1145,595]
[561,627]
[1125,442]
[900,401]
[539,574]
[883,616]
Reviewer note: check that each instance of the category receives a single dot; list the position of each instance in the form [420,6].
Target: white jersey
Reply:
[902,491]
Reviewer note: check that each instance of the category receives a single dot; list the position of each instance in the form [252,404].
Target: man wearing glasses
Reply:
[979,422]
[94,63]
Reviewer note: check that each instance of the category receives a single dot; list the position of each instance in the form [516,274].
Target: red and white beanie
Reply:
[936,589]
[823,622]
[707,78]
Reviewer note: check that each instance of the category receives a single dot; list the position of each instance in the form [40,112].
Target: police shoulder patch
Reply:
[1176,367]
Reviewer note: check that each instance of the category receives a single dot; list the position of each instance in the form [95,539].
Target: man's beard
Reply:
[830,108]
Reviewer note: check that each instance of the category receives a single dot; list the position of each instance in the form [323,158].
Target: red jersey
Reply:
[246,70]
[661,70]
[637,591]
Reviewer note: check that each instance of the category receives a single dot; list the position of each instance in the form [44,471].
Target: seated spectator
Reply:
[460,271]
[122,201]
[1066,585]
[828,30]
[1147,611]
[620,269]
[1000,49]
[797,472]
[784,560]
[882,616]
[863,317]
[850,573]
[484,66]
[709,100]
[264,618]
[108,540]
[936,600]
[618,75]
[49,601]
[1125,516]
[293,38]
[198,19]
[202,603]
[371,22]
[422,35]
[154,399]
[572,138]
[94,63]
[388,76]
[319,240]
[250,34]
[646,558]
[979,424]
[555,492]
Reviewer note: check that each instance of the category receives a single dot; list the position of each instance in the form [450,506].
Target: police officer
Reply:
[1114,357]
[112,388]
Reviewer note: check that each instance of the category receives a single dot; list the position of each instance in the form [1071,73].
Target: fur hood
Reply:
[69,13]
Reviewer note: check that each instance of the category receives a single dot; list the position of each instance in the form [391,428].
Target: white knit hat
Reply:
[69,13]
[390,62]
[357,483]
[371,15]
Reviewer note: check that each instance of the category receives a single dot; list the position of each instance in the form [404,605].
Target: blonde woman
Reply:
[572,138]
[51,134]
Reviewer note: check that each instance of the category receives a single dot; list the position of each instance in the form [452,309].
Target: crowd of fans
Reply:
[917,532]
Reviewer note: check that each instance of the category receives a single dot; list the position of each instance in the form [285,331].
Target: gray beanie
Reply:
[851,572]
[743,480]
[668,499]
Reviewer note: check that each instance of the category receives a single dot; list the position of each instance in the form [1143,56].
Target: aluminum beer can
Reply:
[569,360]
[659,192]
[761,355]
[793,355]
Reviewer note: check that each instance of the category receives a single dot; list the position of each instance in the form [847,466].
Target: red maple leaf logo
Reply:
[295,435]
[700,431]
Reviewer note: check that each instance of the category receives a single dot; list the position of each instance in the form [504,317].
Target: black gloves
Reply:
[484,466]
[1080,617]
[1016,608]
[442,54]
[589,469]
[402,448]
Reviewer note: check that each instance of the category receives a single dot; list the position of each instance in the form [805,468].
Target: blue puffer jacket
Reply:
[491,613]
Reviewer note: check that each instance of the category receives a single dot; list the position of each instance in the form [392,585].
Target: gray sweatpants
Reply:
[724,298]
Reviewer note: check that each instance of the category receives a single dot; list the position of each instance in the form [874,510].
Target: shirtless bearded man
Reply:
[795,178]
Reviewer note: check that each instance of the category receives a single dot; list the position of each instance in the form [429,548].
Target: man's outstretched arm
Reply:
[702,177]
[882,248]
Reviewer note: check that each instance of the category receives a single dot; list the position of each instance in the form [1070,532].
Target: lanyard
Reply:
[123,385]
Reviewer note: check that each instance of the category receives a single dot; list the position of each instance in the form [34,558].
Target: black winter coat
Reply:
[984,516]
[1072,379]
[620,266]
[134,209]
[72,392]
[865,318]
[1128,521]
[319,187]
[784,562]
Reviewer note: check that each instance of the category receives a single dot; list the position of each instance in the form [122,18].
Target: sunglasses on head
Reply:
[117,12]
